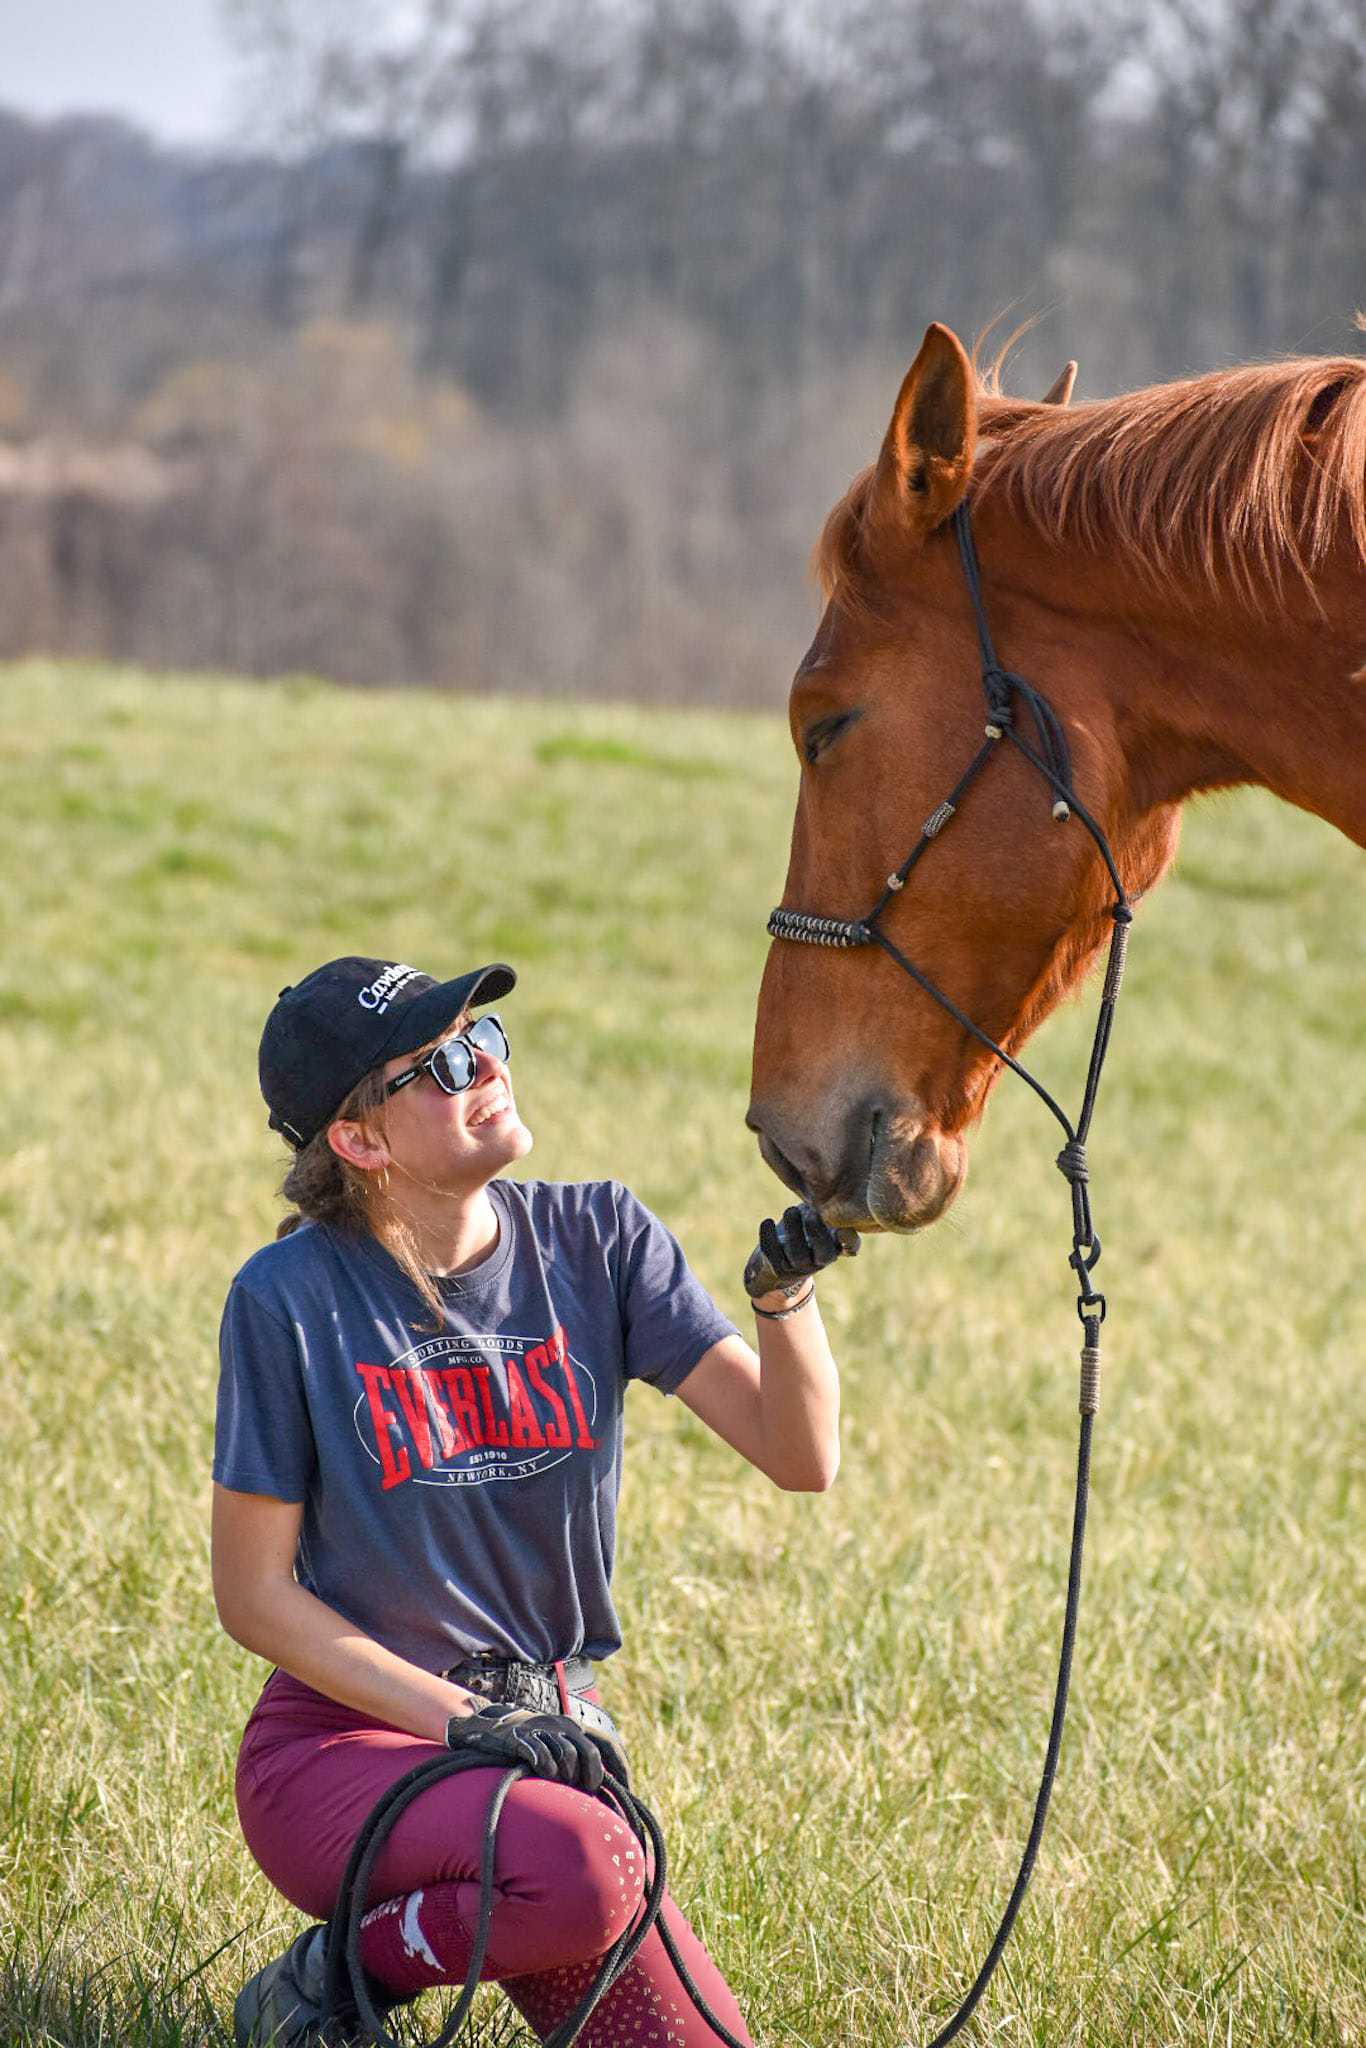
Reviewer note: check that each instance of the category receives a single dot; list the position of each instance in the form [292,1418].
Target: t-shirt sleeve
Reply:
[668,1319]
[263,1438]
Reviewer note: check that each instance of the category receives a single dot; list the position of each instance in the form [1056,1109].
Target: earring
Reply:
[382,1180]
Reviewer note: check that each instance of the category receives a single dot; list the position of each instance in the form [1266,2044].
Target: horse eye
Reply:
[824,732]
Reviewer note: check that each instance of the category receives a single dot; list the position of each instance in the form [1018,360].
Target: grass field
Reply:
[838,1705]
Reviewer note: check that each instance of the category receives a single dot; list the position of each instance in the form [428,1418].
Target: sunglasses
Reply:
[454,1063]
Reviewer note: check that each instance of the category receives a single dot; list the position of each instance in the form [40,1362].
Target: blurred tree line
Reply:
[525,347]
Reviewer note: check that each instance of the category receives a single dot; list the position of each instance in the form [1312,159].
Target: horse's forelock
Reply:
[835,567]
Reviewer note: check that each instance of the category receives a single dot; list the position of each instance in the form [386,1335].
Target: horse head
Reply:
[864,1086]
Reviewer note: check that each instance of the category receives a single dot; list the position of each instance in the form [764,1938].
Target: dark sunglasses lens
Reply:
[453,1066]
[489,1036]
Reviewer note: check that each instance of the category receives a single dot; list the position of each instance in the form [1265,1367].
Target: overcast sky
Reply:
[162,63]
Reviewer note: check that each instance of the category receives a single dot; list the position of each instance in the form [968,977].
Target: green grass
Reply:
[838,1706]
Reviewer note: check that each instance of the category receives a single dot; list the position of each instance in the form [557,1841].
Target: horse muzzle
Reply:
[873,1166]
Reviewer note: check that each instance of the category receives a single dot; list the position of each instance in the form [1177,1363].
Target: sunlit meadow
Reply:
[838,1706]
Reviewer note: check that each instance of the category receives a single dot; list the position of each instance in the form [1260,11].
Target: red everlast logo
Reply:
[458,1411]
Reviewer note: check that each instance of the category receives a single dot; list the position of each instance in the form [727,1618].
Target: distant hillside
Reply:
[540,364]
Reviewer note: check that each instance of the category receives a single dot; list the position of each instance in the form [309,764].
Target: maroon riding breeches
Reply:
[569,1874]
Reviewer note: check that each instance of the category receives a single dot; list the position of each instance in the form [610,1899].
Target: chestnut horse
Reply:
[1181,572]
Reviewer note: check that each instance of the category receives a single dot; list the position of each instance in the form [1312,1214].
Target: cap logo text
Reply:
[378,994]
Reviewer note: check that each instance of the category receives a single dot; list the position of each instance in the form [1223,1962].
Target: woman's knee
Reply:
[571,1870]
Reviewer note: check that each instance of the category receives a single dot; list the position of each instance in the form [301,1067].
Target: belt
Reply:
[523,1684]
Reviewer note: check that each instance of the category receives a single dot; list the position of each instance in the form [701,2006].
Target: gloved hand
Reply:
[598,1725]
[551,1745]
[793,1250]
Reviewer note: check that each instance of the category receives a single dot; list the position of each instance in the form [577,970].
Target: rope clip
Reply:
[1090,1302]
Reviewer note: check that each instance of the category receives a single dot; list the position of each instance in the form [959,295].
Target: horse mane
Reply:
[1243,476]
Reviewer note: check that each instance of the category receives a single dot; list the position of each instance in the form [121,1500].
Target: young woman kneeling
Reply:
[417,1463]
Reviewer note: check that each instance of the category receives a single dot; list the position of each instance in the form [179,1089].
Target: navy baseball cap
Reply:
[327,1031]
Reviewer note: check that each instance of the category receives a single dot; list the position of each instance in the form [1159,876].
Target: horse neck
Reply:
[1226,691]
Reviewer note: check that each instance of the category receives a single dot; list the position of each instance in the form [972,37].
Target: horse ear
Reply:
[1059,391]
[926,458]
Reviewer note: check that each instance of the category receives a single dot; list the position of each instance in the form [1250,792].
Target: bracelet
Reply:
[780,1315]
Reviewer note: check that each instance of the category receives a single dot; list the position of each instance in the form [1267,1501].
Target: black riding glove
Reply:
[792,1251]
[551,1745]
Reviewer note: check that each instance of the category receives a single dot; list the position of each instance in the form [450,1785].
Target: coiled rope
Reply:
[346,1989]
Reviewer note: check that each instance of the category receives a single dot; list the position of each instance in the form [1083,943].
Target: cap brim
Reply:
[427,1016]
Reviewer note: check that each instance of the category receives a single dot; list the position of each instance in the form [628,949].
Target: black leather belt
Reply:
[522,1684]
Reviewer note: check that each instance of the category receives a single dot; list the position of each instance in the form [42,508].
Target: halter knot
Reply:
[1000,686]
[1072,1162]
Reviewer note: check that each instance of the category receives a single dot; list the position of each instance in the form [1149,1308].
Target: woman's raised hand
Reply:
[794,1249]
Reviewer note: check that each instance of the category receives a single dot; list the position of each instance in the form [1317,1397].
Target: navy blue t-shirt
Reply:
[459,1484]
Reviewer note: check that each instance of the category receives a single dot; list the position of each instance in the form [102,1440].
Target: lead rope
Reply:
[1052,761]
[1091,1310]
[346,1989]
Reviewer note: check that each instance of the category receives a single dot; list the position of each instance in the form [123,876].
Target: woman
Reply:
[416,1473]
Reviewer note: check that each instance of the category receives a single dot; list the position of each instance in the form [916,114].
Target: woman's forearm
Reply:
[779,1407]
[799,1400]
[294,1629]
